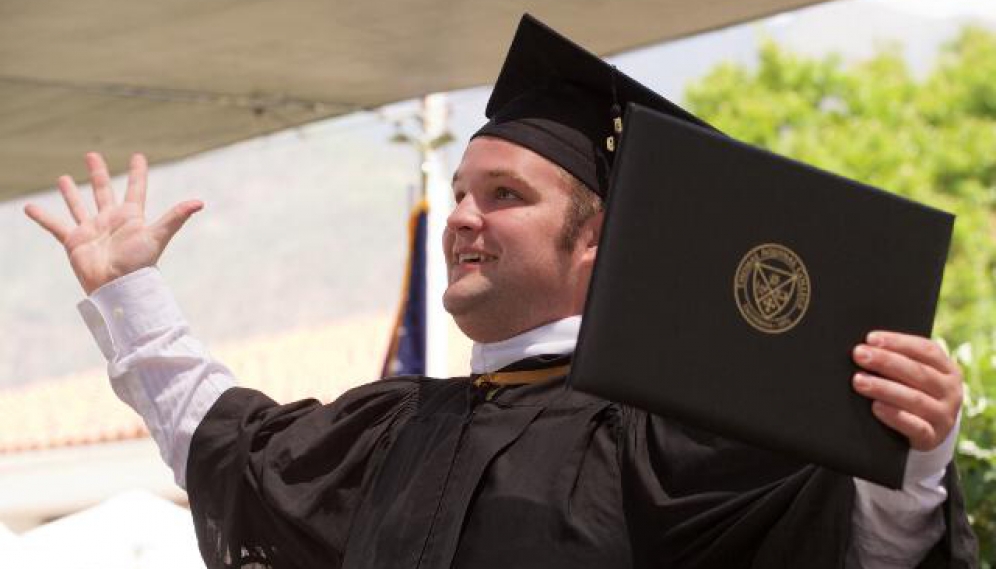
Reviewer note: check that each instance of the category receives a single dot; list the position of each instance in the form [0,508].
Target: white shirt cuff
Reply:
[928,467]
[120,313]
[896,528]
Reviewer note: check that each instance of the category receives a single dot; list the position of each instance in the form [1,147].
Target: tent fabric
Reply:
[176,78]
[132,529]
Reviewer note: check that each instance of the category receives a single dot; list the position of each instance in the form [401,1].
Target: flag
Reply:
[406,352]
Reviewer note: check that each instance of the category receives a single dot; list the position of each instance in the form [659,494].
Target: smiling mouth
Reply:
[474,258]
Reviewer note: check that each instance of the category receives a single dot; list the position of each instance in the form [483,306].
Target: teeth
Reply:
[473,258]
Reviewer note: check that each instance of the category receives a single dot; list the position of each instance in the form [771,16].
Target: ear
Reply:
[591,233]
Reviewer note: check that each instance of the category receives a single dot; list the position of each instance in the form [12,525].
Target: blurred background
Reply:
[294,274]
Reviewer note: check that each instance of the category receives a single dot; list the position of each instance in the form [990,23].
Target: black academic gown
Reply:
[415,472]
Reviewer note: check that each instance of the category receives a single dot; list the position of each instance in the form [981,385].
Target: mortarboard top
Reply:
[563,102]
[730,297]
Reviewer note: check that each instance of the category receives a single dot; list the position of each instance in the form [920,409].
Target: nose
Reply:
[465,216]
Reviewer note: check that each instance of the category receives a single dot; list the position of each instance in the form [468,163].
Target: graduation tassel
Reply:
[616,113]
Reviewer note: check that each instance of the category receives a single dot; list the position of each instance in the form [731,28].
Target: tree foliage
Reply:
[932,139]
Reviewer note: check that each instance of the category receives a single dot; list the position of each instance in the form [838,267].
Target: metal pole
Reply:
[436,188]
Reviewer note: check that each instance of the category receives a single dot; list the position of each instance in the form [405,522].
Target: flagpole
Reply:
[436,189]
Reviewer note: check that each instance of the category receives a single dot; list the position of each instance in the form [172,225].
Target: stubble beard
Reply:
[463,298]
[479,309]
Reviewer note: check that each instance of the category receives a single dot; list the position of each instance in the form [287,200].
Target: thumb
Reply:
[166,226]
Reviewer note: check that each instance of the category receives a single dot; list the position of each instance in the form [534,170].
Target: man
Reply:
[506,468]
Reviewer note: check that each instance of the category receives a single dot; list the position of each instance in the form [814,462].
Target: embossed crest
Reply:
[772,288]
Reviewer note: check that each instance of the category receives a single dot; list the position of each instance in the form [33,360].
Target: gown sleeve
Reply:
[697,500]
[958,548]
[276,486]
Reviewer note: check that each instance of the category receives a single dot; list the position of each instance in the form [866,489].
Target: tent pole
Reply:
[436,189]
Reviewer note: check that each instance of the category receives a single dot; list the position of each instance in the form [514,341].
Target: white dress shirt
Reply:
[170,379]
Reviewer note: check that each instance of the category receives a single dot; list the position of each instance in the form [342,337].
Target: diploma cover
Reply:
[732,285]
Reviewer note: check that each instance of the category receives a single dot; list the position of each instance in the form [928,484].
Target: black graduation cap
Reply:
[564,103]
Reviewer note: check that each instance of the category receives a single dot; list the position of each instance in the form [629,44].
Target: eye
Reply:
[503,193]
[458,196]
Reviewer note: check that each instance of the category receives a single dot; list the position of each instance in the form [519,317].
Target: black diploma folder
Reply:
[732,285]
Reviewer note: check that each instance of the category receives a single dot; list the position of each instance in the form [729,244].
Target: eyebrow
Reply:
[500,173]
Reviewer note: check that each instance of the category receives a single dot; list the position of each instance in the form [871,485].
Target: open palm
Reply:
[116,240]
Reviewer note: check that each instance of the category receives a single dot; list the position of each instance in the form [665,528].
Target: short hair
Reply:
[583,204]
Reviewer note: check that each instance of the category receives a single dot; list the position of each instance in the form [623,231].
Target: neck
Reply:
[558,337]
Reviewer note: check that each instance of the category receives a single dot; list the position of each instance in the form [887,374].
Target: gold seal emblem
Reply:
[772,288]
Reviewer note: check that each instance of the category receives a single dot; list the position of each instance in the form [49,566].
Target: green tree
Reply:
[932,140]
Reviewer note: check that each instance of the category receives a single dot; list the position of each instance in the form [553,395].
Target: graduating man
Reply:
[505,468]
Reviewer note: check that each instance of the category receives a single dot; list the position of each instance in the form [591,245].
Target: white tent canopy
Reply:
[132,530]
[180,77]
[7,537]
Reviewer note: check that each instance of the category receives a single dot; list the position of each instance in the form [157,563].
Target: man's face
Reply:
[506,271]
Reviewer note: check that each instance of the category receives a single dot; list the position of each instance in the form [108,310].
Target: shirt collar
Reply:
[555,338]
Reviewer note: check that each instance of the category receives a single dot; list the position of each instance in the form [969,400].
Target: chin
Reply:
[482,330]
[462,297]
[472,315]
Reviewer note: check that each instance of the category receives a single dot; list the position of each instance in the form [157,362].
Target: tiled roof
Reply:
[320,362]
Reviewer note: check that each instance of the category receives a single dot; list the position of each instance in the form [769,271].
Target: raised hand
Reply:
[117,240]
[915,387]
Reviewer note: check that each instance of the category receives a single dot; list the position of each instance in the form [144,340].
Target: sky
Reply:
[273,249]
[944,8]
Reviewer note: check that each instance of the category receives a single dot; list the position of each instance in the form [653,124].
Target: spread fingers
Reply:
[73,199]
[100,178]
[138,174]
[48,221]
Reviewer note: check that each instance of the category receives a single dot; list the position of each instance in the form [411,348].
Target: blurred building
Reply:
[68,443]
